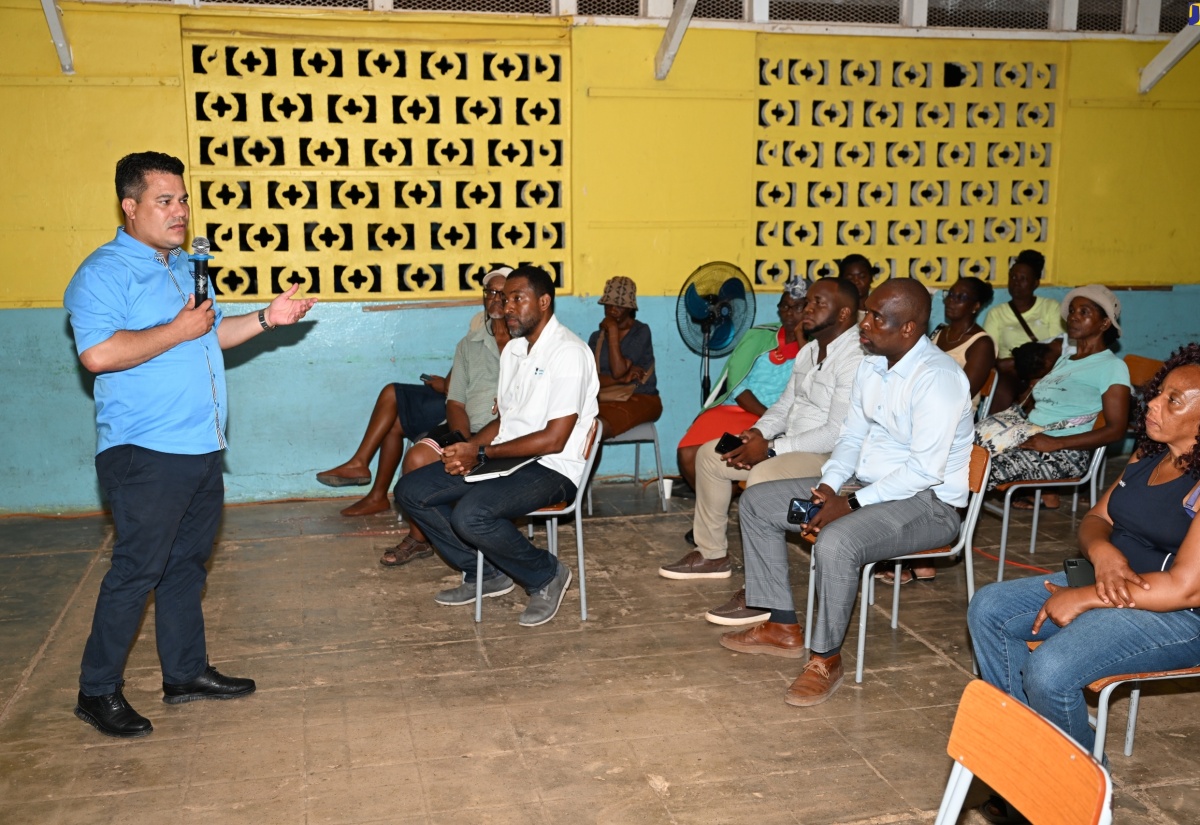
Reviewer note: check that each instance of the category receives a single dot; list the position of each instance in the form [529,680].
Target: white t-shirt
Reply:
[556,379]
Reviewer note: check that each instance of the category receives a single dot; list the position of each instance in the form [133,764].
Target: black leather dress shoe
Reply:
[112,715]
[208,685]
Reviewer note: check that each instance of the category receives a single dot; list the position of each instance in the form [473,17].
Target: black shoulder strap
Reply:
[1021,321]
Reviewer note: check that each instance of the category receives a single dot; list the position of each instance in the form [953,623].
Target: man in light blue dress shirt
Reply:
[905,449]
[160,421]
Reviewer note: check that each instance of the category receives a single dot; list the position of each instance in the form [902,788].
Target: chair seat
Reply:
[933,552]
[552,508]
[1181,673]
[1036,481]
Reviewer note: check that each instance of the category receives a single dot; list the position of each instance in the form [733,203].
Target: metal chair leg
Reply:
[1131,725]
[478,587]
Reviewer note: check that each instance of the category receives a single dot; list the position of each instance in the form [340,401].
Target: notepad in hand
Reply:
[498,468]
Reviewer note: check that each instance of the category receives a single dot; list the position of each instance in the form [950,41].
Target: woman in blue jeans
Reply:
[1144,542]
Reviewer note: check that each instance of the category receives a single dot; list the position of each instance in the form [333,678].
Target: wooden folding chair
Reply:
[1036,767]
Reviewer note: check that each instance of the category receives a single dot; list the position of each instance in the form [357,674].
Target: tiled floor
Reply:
[377,705]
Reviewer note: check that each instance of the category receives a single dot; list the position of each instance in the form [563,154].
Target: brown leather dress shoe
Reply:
[771,638]
[821,677]
[695,566]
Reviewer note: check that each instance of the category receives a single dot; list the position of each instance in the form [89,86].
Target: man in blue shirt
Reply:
[160,419]
[904,450]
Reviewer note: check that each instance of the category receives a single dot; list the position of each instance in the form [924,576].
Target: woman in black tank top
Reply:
[1144,542]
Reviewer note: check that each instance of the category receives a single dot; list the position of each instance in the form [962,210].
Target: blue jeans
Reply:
[166,509]
[459,516]
[1101,642]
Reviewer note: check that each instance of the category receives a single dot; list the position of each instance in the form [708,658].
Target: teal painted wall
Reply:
[300,397]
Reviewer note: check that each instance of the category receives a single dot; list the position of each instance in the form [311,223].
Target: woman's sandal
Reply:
[406,551]
[997,811]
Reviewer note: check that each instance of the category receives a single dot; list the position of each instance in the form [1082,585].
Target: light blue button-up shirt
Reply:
[173,403]
[910,429]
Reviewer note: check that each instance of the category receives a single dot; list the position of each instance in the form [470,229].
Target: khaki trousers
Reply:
[714,490]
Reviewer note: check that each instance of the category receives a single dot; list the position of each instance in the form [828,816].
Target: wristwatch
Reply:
[852,500]
[481,456]
[771,449]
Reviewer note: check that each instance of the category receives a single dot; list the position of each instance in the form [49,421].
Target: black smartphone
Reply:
[1080,572]
[802,510]
[454,437]
[426,376]
[728,442]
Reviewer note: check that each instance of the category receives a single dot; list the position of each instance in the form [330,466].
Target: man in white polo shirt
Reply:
[546,402]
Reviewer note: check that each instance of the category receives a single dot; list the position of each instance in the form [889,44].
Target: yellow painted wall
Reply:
[1129,198]
[662,173]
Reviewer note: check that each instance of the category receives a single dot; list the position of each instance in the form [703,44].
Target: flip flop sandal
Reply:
[406,551]
[330,480]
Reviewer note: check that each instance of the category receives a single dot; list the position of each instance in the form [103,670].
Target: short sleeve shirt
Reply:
[554,379]
[1001,323]
[475,375]
[1075,388]
[175,402]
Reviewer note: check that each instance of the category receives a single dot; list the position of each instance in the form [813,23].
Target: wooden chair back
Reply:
[1141,370]
[1027,760]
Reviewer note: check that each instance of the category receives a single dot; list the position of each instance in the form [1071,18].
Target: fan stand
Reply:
[705,379]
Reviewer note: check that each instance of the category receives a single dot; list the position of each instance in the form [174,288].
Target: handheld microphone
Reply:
[200,259]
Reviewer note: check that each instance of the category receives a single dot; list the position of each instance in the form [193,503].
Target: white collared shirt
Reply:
[809,414]
[556,379]
[910,429]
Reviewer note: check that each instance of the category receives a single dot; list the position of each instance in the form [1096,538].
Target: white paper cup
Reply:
[667,483]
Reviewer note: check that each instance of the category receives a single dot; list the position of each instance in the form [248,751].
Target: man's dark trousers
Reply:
[457,516]
[166,509]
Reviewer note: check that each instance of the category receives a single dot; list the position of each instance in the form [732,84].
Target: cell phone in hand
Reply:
[1080,572]
[728,442]
[802,510]
[426,377]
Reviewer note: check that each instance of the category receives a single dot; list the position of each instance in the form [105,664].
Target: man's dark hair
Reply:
[847,294]
[1033,259]
[855,258]
[912,299]
[132,171]
[539,281]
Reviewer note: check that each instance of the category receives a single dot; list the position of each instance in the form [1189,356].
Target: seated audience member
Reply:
[792,439]
[1145,545]
[1024,318]
[905,450]
[962,338]
[546,400]
[753,378]
[972,349]
[1064,404]
[857,269]
[406,410]
[625,361]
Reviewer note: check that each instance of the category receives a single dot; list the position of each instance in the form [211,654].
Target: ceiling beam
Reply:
[59,35]
[1172,53]
[681,15]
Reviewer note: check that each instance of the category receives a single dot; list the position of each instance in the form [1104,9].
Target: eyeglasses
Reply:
[493,293]
[957,297]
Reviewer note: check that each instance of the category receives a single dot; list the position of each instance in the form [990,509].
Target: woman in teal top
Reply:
[1081,385]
